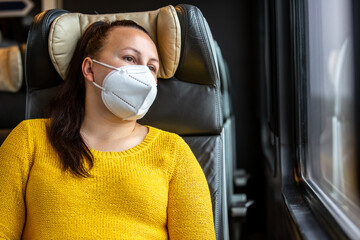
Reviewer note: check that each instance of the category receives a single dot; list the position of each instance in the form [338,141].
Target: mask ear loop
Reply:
[98,86]
[104,64]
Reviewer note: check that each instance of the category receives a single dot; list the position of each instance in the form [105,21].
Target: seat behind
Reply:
[188,104]
[12,87]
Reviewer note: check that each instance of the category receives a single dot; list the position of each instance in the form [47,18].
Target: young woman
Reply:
[91,171]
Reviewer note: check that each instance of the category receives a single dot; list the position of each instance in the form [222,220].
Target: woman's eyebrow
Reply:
[154,59]
[131,49]
[139,53]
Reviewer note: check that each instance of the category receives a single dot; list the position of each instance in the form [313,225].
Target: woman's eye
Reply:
[152,68]
[129,59]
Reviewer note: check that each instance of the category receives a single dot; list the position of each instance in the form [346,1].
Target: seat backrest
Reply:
[225,80]
[189,103]
[229,125]
[12,87]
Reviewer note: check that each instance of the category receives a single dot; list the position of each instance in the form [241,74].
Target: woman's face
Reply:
[126,46]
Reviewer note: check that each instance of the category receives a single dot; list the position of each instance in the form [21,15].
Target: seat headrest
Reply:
[11,69]
[162,25]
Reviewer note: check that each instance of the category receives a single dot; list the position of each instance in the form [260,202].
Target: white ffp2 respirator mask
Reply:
[128,91]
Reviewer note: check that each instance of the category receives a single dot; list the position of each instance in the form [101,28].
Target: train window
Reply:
[331,156]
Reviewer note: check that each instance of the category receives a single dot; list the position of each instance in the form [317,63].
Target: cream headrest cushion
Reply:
[11,70]
[162,25]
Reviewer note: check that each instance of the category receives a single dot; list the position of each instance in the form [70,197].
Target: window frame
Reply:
[356,32]
[269,89]
[335,221]
[302,219]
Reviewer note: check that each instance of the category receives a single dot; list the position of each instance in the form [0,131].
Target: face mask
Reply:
[128,91]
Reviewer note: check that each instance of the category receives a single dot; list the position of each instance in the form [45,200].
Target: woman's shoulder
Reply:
[23,137]
[31,127]
[169,140]
[172,144]
[30,124]
[163,135]
[37,122]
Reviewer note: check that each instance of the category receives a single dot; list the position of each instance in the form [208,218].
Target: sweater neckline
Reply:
[149,138]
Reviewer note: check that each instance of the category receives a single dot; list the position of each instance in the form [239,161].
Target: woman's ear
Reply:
[87,69]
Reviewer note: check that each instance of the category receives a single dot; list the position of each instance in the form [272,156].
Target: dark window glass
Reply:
[331,162]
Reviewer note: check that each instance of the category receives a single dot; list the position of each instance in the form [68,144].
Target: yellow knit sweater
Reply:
[155,190]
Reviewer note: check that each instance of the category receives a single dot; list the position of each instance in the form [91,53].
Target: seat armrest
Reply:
[241,178]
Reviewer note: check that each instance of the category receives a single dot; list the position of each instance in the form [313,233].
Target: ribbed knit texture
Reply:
[155,190]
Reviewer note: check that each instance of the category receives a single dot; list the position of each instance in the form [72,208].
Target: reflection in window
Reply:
[332,161]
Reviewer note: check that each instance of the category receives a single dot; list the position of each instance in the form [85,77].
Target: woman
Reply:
[91,171]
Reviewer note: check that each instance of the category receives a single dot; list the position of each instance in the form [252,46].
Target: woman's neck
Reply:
[111,134]
[99,122]
[103,131]
[107,127]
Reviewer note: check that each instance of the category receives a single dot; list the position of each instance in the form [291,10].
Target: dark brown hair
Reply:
[68,108]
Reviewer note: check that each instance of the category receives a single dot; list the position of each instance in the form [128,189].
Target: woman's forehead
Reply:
[122,38]
[129,35]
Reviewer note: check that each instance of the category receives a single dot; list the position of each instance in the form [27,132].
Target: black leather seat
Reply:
[12,87]
[237,202]
[229,123]
[188,104]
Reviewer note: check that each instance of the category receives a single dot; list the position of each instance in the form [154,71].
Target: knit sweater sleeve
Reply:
[14,170]
[189,207]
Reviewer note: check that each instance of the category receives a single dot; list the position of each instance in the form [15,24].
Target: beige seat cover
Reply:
[11,69]
[162,25]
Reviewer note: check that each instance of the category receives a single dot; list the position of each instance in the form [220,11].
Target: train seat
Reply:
[12,89]
[189,95]
[237,202]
